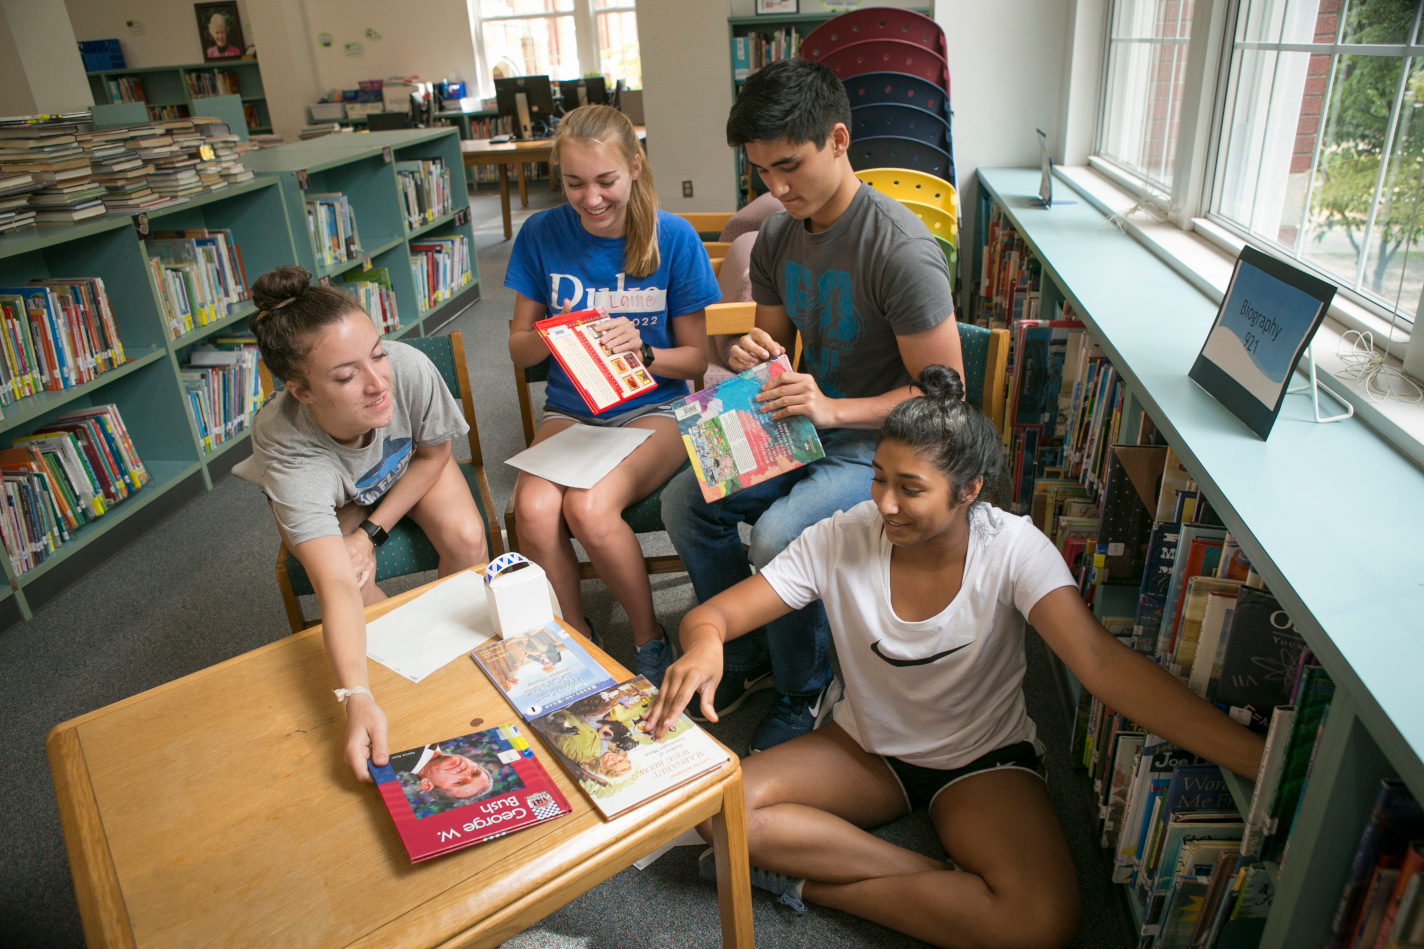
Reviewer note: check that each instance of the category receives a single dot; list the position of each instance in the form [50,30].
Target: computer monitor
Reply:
[526,99]
[590,91]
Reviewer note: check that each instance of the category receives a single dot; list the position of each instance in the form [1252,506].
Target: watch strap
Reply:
[376,532]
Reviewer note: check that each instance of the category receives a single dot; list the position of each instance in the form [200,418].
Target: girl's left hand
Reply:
[620,335]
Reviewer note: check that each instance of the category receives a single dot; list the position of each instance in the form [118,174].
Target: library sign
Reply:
[1267,318]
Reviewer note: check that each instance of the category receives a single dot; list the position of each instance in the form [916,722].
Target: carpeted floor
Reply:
[128,627]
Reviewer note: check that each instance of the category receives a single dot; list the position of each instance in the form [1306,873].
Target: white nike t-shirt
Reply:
[941,692]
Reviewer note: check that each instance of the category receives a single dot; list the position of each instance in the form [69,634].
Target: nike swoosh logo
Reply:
[875,648]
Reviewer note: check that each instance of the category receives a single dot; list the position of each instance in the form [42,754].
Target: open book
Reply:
[602,378]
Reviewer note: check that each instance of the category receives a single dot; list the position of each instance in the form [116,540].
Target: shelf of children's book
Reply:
[208,197]
[458,296]
[432,225]
[38,238]
[162,476]
[199,333]
[33,406]
[221,64]
[1240,788]
[341,266]
[232,441]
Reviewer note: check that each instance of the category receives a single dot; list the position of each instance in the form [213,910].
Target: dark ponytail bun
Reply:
[291,313]
[957,438]
[281,284]
[942,384]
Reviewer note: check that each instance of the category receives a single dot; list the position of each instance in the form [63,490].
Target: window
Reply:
[563,39]
[1322,140]
[1142,93]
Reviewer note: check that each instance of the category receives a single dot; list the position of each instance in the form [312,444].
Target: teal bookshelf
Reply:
[1348,580]
[168,86]
[146,388]
[362,167]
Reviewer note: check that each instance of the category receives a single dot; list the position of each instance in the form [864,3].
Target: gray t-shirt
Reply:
[873,275]
[307,475]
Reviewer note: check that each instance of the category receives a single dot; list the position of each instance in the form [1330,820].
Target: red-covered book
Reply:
[451,794]
[602,378]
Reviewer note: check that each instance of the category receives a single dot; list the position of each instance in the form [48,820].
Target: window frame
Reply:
[585,17]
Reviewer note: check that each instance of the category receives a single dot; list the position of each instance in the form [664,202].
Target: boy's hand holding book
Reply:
[796,393]
[754,348]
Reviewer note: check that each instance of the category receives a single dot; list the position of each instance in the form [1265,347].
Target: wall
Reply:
[687,93]
[428,38]
[170,28]
[1006,63]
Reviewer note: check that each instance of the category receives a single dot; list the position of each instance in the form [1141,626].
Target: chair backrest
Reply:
[986,356]
[448,354]
[905,185]
[708,224]
[887,119]
[873,23]
[904,153]
[888,56]
[896,88]
[939,222]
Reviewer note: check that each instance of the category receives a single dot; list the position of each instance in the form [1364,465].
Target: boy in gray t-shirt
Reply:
[865,285]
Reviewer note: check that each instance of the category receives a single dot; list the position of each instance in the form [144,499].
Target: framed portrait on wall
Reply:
[219,30]
[776,7]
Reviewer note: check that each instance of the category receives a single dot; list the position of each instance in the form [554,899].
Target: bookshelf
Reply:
[1346,577]
[168,86]
[749,184]
[362,167]
[146,388]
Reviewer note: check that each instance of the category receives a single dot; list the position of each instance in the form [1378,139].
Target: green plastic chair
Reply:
[645,516]
[408,550]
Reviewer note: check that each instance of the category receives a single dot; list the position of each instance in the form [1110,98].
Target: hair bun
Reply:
[942,383]
[280,284]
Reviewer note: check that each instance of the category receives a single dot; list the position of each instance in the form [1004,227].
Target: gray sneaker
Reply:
[786,889]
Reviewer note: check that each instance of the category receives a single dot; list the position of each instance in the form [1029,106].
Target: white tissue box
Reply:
[518,598]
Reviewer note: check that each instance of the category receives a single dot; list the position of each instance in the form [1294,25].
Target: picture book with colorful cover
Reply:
[462,791]
[733,444]
[542,669]
[602,378]
[606,744]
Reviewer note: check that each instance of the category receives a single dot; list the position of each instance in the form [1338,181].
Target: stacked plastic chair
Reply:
[893,65]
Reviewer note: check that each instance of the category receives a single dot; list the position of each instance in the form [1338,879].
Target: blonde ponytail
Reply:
[605,126]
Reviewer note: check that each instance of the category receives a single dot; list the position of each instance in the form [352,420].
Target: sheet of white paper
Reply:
[580,455]
[435,628]
[689,838]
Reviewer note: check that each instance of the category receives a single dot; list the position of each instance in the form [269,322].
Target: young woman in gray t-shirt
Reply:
[359,438]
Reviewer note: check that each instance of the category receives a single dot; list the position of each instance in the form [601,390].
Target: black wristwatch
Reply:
[376,532]
[647,354]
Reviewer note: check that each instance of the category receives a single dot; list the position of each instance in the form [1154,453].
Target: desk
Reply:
[481,151]
[216,810]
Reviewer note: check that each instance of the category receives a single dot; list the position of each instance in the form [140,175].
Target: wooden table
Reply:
[482,151]
[217,810]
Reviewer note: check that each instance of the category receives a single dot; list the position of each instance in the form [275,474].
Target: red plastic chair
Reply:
[876,23]
[881,56]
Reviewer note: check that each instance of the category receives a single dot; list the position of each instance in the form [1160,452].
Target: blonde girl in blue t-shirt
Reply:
[609,246]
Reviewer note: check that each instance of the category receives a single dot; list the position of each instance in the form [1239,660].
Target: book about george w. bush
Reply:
[462,791]
[733,444]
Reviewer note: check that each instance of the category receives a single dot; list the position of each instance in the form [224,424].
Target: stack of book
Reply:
[218,82]
[333,228]
[372,289]
[56,164]
[755,50]
[224,145]
[440,267]
[62,476]
[424,189]
[60,333]
[126,89]
[224,390]
[199,276]
[15,210]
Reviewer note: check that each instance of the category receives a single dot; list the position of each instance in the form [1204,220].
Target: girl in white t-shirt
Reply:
[927,589]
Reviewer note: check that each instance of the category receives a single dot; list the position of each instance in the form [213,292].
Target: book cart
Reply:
[1328,515]
[168,86]
[146,387]
[362,167]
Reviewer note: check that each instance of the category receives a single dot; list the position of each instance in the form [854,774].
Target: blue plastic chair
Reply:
[888,152]
[889,88]
[407,550]
[899,121]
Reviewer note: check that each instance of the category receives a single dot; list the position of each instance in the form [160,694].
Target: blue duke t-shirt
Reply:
[555,260]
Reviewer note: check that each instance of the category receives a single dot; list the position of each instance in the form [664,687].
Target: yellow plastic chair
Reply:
[903,184]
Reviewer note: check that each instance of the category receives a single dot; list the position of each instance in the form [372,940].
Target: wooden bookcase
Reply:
[1326,514]
[168,86]
[362,167]
[268,221]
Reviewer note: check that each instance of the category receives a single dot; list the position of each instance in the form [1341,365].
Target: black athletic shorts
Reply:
[921,785]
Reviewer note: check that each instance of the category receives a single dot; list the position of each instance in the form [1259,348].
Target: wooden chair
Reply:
[645,516]
[408,550]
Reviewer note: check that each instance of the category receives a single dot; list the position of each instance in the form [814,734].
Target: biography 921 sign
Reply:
[1267,318]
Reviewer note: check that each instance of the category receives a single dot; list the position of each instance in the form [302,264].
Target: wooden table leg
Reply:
[523,187]
[734,888]
[504,199]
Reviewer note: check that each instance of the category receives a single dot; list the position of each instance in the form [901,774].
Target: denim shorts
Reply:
[922,785]
[652,410]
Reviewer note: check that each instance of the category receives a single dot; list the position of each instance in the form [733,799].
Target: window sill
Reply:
[1205,256]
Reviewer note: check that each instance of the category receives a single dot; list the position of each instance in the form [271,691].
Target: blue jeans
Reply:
[706,538]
